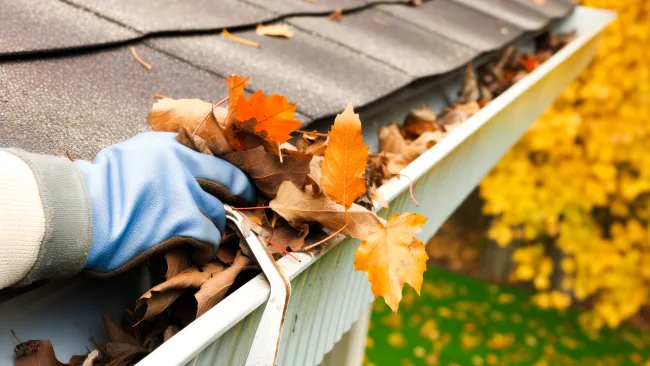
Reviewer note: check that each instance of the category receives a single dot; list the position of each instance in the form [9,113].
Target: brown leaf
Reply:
[226,255]
[170,331]
[158,298]
[469,92]
[315,176]
[170,115]
[275,30]
[116,334]
[299,207]
[391,139]
[213,267]
[458,114]
[312,146]
[177,261]
[215,289]
[287,236]
[378,197]
[266,170]
[125,351]
[195,142]
[36,353]
[419,121]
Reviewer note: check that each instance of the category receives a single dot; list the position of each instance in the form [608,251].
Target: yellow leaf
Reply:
[392,256]
[275,30]
[345,159]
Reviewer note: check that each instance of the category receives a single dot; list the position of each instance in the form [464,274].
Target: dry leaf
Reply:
[194,142]
[177,261]
[308,145]
[336,15]
[315,176]
[458,114]
[226,255]
[287,236]
[158,298]
[275,30]
[247,42]
[469,92]
[214,290]
[345,159]
[36,353]
[266,170]
[299,207]
[170,115]
[273,114]
[392,256]
[236,85]
[391,139]
[419,121]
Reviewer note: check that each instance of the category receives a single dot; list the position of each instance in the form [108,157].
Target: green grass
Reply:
[454,320]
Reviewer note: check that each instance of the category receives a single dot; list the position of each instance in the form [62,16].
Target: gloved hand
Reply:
[145,198]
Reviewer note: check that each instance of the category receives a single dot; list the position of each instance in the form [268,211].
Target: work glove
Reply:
[150,194]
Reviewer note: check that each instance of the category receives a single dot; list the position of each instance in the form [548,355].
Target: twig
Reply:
[284,250]
[206,117]
[141,61]
[410,188]
[249,208]
[280,152]
[158,95]
[347,221]
[67,153]
[16,336]
[240,40]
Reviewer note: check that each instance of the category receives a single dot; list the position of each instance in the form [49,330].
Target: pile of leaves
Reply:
[322,183]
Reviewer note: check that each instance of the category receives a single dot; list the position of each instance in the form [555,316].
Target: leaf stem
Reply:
[208,115]
[141,61]
[249,208]
[284,251]
[347,221]
[410,188]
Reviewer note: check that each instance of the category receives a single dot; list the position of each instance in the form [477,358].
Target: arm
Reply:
[143,196]
[45,220]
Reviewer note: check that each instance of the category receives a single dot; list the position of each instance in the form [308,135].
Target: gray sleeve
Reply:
[68,217]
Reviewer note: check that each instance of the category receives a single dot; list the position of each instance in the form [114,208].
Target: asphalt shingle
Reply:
[167,15]
[381,36]
[510,11]
[38,25]
[452,20]
[82,103]
[321,75]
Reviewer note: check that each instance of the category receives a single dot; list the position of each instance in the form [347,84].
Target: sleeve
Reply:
[45,218]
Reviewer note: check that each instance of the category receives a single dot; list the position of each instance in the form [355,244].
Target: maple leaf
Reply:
[299,207]
[267,171]
[273,114]
[392,256]
[345,159]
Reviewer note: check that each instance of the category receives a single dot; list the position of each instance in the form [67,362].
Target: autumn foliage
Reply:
[575,190]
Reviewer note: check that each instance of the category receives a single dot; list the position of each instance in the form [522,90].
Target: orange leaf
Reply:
[392,256]
[236,85]
[345,159]
[273,114]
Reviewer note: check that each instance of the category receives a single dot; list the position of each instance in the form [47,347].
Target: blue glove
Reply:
[148,194]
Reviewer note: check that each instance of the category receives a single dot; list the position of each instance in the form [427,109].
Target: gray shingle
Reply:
[82,103]
[308,7]
[458,22]
[509,11]
[30,26]
[403,45]
[162,15]
[321,75]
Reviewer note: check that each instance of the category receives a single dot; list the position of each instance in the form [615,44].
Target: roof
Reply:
[68,80]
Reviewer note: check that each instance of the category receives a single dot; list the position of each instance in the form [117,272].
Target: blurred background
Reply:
[547,262]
